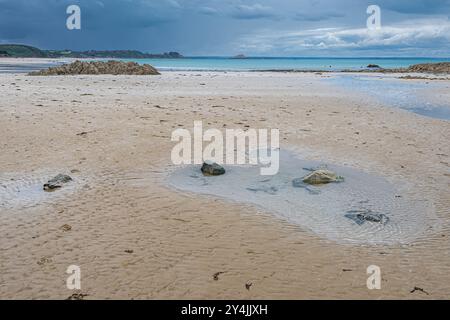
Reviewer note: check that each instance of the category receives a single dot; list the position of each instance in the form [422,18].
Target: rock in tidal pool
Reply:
[360,217]
[57,182]
[210,168]
[322,176]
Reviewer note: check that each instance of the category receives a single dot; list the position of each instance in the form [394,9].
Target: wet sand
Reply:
[135,237]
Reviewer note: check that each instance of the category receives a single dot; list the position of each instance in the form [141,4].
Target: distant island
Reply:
[239,56]
[24,51]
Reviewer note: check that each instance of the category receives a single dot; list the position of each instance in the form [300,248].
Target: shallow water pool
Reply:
[329,211]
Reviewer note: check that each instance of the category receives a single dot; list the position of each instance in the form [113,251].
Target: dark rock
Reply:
[441,67]
[57,182]
[362,216]
[373,66]
[98,67]
[210,168]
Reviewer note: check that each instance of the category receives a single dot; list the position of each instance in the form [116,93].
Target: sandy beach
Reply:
[135,237]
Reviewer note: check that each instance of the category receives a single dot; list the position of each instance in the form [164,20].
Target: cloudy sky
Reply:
[229,27]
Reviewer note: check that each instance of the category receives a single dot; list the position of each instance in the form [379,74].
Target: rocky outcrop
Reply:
[57,182]
[98,67]
[210,168]
[441,67]
[373,66]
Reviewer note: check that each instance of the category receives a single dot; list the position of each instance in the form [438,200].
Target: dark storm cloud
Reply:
[226,27]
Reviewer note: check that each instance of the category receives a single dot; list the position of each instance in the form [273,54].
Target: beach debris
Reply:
[84,133]
[362,216]
[44,260]
[57,182]
[322,176]
[419,289]
[210,168]
[98,67]
[216,275]
[66,227]
[129,251]
[248,285]
[77,296]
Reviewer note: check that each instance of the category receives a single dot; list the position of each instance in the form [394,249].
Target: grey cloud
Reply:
[256,11]
[224,27]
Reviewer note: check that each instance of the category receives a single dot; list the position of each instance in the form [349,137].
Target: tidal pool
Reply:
[417,97]
[18,192]
[364,209]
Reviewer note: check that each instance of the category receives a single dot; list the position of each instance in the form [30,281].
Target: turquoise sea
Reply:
[267,63]
[250,64]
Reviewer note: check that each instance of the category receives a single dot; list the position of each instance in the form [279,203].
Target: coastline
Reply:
[405,72]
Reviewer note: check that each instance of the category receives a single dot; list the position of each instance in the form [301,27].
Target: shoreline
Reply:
[406,72]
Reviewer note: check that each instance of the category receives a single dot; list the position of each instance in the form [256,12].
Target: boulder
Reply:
[322,176]
[57,182]
[210,168]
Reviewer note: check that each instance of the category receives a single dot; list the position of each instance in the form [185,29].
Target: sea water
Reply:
[272,63]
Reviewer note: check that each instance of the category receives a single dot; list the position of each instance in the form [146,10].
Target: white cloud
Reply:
[434,35]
